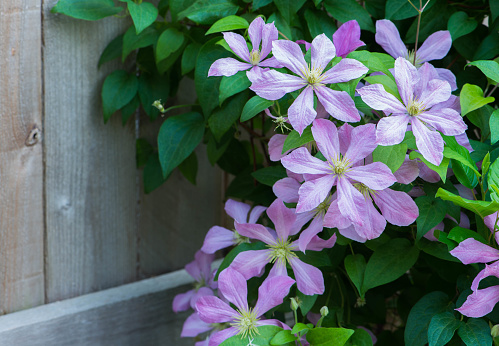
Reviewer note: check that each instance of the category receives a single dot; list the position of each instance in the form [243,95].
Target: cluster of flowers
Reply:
[335,183]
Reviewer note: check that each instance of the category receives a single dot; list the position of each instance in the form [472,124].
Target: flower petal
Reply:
[213,310]
[408,172]
[255,32]
[220,336]
[347,38]
[227,67]
[318,244]
[326,137]
[406,76]
[437,91]
[255,231]
[388,37]
[311,231]
[391,130]
[313,192]
[300,161]
[322,52]
[448,76]
[255,214]
[375,96]
[273,85]
[193,326]
[374,223]
[233,286]
[251,263]
[269,34]
[238,45]
[182,301]
[337,103]
[397,207]
[362,142]
[344,71]
[446,120]
[272,292]
[309,279]
[429,142]
[289,54]
[301,113]
[282,217]
[435,47]
[376,175]
[334,218]
[287,190]
[237,210]
[480,302]
[276,144]
[217,238]
[201,292]
[350,201]
[472,251]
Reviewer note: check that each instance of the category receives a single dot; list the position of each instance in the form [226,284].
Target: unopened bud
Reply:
[159,106]
[324,311]
[495,331]
[295,303]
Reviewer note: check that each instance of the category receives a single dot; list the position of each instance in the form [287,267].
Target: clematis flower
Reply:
[421,95]
[219,238]
[273,85]
[481,301]
[281,250]
[436,46]
[200,270]
[259,32]
[245,320]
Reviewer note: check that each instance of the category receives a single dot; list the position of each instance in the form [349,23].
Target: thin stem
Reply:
[492,91]
[253,153]
[175,107]
[417,30]
[284,36]
[250,131]
[413,5]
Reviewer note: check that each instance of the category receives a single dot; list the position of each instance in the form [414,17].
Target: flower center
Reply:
[254,57]
[313,75]
[364,190]
[415,108]
[410,57]
[282,251]
[245,322]
[322,208]
[240,239]
[339,165]
[199,284]
[281,123]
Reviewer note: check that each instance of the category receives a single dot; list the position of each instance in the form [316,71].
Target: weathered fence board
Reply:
[21,171]
[133,314]
[90,167]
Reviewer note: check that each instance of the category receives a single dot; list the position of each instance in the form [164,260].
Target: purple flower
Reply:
[219,238]
[244,320]
[423,105]
[436,46]
[481,301]
[200,270]
[281,250]
[259,32]
[273,85]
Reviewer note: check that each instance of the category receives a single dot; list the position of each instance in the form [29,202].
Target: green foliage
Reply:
[255,105]
[460,24]
[143,14]
[393,156]
[232,85]
[329,336]
[475,332]
[168,42]
[262,338]
[442,327]
[227,24]
[471,98]
[87,9]
[344,10]
[118,90]
[269,175]
[208,11]
[294,140]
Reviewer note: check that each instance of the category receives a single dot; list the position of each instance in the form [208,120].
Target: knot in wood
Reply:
[33,136]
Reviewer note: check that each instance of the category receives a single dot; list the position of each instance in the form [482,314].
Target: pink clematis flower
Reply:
[273,85]
[219,238]
[422,105]
[200,270]
[481,301]
[281,250]
[244,320]
[436,46]
[259,32]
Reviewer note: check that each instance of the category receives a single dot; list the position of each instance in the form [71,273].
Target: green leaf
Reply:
[87,9]
[282,338]
[281,24]
[178,136]
[118,90]
[476,332]
[224,117]
[236,251]
[460,24]
[207,87]
[488,48]
[471,98]
[307,302]
[400,9]
[431,212]
[143,14]
[189,57]
[163,6]
[462,164]
[142,151]
[209,11]
[232,85]
[374,61]
[298,327]
[490,68]
[262,338]
[129,109]
[152,87]
[132,41]
[288,8]
[177,6]
[493,180]
[360,338]
[482,208]
[269,175]
[459,234]
[255,105]
[389,262]
[260,3]
[319,22]
[388,84]
[189,168]
[294,140]
[227,24]
[441,169]
[329,336]
[355,265]
[345,10]
[170,41]
[494,127]
[112,50]
[485,164]
[393,156]
[152,175]
[416,330]
[442,327]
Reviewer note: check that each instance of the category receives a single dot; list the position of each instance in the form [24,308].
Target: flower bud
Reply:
[295,303]
[495,331]
[324,311]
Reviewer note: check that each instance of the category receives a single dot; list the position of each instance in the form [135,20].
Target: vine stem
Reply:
[493,89]
[284,36]
[420,11]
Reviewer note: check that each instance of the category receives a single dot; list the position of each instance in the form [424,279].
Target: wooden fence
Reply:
[73,217]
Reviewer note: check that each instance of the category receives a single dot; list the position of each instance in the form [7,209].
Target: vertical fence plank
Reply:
[90,167]
[21,168]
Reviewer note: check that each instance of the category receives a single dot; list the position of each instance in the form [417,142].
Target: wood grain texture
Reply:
[133,314]
[175,218]
[90,166]
[21,168]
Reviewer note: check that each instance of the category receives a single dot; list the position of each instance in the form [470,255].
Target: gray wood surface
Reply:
[21,168]
[134,314]
[91,186]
